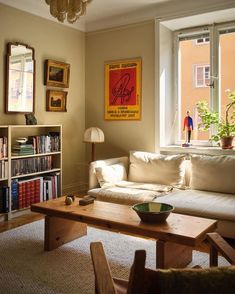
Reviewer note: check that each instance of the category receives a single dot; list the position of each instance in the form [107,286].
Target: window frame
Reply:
[214,32]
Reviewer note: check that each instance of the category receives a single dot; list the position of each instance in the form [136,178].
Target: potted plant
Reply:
[225,127]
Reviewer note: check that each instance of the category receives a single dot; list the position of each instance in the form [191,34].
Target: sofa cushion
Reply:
[156,168]
[128,196]
[202,203]
[111,174]
[213,173]
[144,186]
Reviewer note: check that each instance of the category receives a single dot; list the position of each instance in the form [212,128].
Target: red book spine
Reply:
[20,195]
[23,194]
[37,190]
[32,192]
[27,194]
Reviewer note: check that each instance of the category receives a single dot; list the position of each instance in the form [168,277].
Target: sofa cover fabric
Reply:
[196,200]
[202,203]
[130,193]
[213,173]
[156,168]
[111,174]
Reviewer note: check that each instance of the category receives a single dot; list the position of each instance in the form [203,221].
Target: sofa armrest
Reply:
[93,182]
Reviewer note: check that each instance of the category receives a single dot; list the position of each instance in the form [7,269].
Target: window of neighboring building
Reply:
[202,75]
[201,41]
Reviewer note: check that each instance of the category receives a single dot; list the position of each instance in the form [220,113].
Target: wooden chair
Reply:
[178,281]
[219,245]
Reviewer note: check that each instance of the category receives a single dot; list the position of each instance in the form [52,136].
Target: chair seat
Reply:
[120,285]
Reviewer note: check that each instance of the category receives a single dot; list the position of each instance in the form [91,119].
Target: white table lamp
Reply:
[93,135]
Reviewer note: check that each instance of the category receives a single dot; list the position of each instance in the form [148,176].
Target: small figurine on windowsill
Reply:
[188,128]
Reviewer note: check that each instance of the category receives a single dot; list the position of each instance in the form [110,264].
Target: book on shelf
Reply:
[45,143]
[31,165]
[28,191]
[22,149]
[3,169]
[3,147]
[14,195]
[4,199]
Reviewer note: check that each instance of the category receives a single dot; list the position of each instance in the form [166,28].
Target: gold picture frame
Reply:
[56,73]
[123,89]
[56,101]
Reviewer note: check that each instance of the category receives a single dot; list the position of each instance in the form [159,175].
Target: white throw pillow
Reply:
[213,173]
[156,168]
[111,174]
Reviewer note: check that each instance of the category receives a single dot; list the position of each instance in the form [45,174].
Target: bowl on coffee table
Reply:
[153,212]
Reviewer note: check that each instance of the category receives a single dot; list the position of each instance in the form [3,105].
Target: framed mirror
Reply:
[20,78]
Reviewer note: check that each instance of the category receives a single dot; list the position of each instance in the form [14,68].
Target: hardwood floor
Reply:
[20,221]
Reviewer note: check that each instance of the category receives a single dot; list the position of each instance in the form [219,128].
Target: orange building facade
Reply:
[195,76]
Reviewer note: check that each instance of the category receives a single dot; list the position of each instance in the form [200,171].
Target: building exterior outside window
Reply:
[202,76]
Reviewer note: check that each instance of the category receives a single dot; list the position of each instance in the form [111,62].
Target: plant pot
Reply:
[227,142]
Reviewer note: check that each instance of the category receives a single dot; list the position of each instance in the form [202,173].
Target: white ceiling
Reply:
[100,13]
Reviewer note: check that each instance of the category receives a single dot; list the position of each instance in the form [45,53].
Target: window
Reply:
[203,73]
[201,41]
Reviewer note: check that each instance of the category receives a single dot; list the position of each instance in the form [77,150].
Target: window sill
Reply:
[175,149]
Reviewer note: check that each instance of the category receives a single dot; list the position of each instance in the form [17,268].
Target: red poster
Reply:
[122,90]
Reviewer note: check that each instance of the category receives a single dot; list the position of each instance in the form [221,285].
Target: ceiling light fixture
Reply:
[72,8]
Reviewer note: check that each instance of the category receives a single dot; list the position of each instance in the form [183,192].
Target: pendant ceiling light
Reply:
[73,9]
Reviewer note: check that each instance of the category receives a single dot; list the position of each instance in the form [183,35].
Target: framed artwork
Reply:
[56,74]
[56,101]
[123,90]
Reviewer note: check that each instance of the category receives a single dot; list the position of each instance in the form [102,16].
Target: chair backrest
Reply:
[219,245]
[147,281]
[179,281]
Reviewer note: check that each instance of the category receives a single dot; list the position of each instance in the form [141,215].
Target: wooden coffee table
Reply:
[175,238]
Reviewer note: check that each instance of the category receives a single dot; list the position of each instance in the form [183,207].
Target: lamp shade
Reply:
[93,135]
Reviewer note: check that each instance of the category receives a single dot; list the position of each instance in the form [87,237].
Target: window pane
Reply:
[194,65]
[227,65]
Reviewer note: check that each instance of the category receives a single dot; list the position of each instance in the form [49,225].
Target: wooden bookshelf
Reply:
[53,153]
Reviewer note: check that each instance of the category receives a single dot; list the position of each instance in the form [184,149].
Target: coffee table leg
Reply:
[172,255]
[59,231]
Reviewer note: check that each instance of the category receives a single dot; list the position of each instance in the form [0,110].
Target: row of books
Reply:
[26,192]
[3,147]
[3,169]
[4,199]
[31,165]
[22,149]
[45,143]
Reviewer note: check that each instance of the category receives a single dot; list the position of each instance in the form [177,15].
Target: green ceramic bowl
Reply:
[153,212]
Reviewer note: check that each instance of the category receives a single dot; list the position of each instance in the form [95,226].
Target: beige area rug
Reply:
[26,268]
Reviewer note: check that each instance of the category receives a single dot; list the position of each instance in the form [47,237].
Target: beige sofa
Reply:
[201,186]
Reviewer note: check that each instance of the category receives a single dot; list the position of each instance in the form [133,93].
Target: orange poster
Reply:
[123,90]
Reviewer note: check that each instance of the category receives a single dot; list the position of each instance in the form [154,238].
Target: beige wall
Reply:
[51,41]
[123,43]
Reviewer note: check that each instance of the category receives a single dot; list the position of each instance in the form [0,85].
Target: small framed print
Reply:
[56,101]
[56,74]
